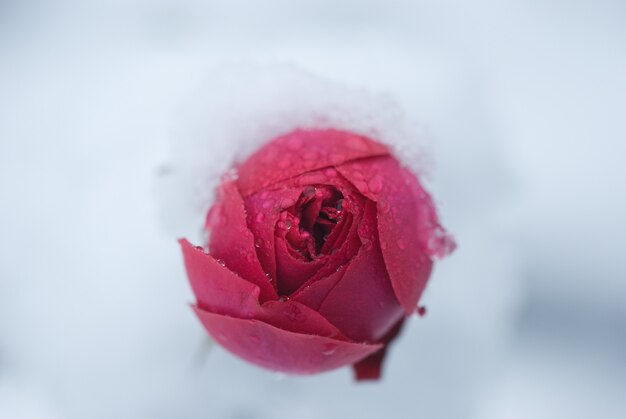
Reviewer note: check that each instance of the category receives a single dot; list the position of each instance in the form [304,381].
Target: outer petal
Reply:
[302,151]
[221,291]
[232,241]
[281,350]
[363,304]
[408,227]
[216,287]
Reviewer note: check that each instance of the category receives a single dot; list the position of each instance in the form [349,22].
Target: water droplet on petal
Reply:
[294,143]
[215,216]
[284,163]
[330,172]
[336,158]
[308,191]
[287,202]
[421,311]
[357,143]
[375,184]
[257,242]
[283,298]
[361,186]
[329,349]
[311,178]
[357,174]
[288,223]
[221,262]
[269,278]
[309,155]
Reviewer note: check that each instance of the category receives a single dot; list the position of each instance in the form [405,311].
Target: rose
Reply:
[320,246]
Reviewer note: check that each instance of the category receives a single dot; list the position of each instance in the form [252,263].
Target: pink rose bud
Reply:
[319,248]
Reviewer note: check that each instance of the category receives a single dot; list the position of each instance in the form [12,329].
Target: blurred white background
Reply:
[524,101]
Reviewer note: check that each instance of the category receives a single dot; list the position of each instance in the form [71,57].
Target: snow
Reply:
[242,105]
[518,103]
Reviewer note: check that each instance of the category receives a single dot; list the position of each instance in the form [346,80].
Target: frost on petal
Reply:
[302,151]
[232,242]
[281,350]
[407,223]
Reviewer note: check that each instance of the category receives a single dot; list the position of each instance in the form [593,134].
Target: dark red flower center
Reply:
[310,222]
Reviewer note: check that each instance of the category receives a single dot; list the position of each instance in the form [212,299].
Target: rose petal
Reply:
[369,368]
[302,151]
[291,271]
[363,304]
[221,291]
[216,287]
[316,291]
[281,350]
[263,211]
[407,223]
[298,318]
[232,241]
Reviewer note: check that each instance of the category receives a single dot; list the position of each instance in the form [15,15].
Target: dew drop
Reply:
[308,191]
[357,174]
[215,216]
[339,205]
[288,223]
[257,243]
[294,144]
[336,158]
[421,311]
[313,177]
[269,278]
[361,186]
[221,262]
[329,349]
[357,143]
[330,172]
[375,184]
[283,298]
[309,155]
[284,163]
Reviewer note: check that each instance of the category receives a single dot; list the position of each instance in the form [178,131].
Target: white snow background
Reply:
[520,106]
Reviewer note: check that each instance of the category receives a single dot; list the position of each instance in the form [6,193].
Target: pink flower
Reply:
[319,248]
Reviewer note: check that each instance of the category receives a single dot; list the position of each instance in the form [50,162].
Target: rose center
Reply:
[316,213]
